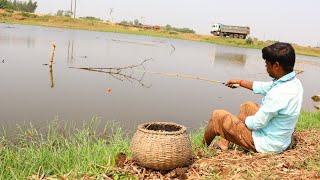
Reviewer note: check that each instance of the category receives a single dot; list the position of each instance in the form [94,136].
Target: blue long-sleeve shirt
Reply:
[272,126]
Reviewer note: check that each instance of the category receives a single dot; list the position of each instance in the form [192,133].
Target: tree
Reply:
[31,6]
[136,22]
[4,4]
[64,13]
[68,13]
[60,13]
[19,6]
[168,27]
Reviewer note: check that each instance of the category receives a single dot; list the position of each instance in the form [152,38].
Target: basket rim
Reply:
[181,131]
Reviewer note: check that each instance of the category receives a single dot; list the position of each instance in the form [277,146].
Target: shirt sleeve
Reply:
[261,87]
[270,108]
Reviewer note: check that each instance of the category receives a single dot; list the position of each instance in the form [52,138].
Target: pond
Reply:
[32,93]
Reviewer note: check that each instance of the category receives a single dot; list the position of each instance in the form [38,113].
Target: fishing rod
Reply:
[189,77]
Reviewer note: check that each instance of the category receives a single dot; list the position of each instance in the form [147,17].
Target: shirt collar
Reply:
[285,78]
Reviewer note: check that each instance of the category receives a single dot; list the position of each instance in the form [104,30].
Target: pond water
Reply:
[30,93]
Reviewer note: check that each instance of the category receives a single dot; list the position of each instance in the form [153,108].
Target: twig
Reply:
[38,174]
[173,47]
[117,68]
[118,72]
[143,173]
[196,173]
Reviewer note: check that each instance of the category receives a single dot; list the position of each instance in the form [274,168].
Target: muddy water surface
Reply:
[30,93]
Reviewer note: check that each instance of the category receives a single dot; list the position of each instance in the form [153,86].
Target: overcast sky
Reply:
[294,21]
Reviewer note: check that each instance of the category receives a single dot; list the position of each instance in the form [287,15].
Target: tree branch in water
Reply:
[120,73]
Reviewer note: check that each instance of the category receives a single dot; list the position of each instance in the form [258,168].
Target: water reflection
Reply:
[230,59]
[220,57]
[70,56]
[6,38]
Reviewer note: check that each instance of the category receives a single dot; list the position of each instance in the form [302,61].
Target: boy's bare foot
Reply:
[222,144]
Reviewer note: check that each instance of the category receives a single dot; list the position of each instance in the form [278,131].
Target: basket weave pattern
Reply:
[161,145]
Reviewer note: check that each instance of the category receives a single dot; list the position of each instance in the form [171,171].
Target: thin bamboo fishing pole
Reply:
[183,76]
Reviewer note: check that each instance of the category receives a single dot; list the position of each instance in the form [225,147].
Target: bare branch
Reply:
[120,73]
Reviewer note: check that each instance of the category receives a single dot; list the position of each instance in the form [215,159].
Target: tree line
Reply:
[136,23]
[29,6]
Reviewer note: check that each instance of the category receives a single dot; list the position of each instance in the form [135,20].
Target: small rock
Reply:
[316,98]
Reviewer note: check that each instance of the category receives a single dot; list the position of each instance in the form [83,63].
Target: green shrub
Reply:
[172,32]
[9,10]
[182,30]
[44,18]
[91,18]
[249,41]
[28,15]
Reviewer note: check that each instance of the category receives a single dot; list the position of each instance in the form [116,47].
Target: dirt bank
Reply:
[302,162]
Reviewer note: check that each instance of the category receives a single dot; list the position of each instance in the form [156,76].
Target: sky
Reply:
[292,21]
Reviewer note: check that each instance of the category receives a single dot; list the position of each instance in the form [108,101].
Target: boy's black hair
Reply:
[280,52]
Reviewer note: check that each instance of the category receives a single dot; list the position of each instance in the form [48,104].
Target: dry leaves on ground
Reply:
[302,162]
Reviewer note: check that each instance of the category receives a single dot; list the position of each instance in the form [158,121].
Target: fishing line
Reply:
[186,76]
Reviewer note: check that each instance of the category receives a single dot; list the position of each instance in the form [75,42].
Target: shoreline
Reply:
[23,18]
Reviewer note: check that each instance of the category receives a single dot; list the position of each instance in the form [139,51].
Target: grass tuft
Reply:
[308,121]
[61,152]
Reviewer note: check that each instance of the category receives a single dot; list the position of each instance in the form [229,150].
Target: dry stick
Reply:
[116,68]
[194,171]
[50,65]
[52,54]
[51,77]
[173,47]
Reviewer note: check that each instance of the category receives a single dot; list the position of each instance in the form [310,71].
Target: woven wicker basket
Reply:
[161,145]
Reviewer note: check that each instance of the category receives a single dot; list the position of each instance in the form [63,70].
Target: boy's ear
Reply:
[276,65]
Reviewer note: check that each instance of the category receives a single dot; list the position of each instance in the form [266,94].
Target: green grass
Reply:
[75,153]
[59,152]
[309,121]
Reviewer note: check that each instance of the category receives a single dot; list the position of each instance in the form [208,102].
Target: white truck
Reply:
[231,31]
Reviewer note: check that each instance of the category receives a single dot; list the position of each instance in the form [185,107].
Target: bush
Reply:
[28,15]
[172,32]
[44,18]
[182,30]
[24,14]
[249,41]
[64,13]
[91,18]
[9,10]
